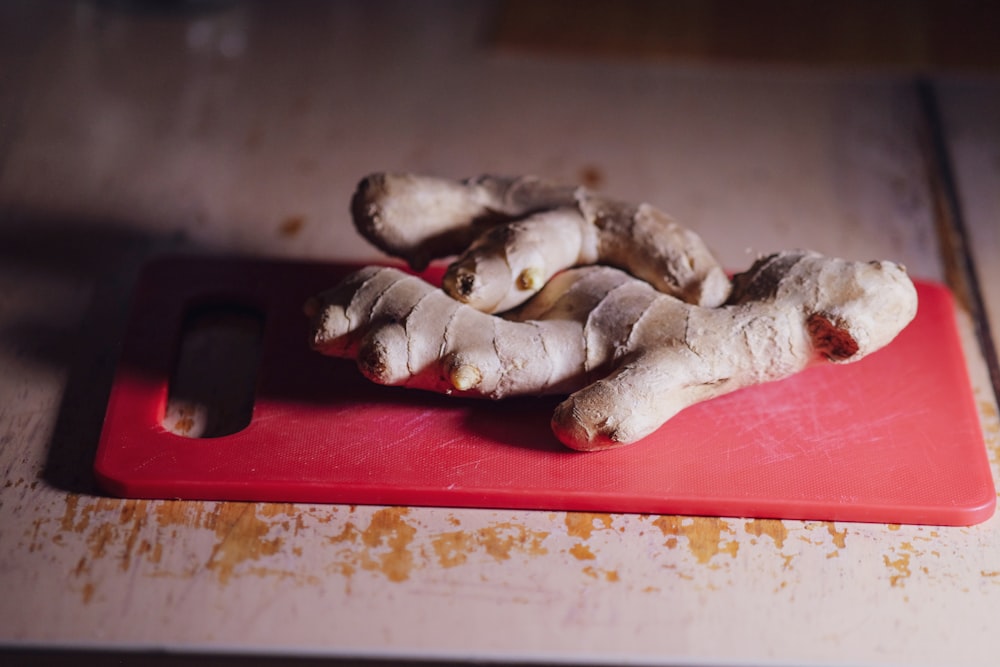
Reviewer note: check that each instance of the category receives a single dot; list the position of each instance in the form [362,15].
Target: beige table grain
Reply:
[243,129]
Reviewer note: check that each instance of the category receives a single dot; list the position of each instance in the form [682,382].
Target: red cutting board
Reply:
[894,438]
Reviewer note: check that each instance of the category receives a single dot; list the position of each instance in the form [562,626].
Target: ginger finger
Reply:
[633,401]
[651,245]
[544,228]
[510,263]
[420,218]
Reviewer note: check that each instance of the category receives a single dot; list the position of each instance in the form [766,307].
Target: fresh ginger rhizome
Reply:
[557,290]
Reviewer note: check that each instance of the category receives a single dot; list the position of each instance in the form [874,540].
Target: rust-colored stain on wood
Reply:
[385,545]
[498,541]
[291,226]
[839,536]
[387,539]
[133,531]
[704,535]
[899,568]
[591,176]
[502,539]
[773,528]
[452,548]
[583,524]
[606,575]
[242,536]
[279,540]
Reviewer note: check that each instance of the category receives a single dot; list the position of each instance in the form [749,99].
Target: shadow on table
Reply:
[73,280]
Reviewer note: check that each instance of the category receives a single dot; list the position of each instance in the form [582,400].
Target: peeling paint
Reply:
[703,535]
[453,548]
[383,546]
[839,536]
[242,536]
[246,536]
[899,569]
[499,541]
[773,528]
[583,524]
[283,541]
[606,575]
[390,536]
[133,531]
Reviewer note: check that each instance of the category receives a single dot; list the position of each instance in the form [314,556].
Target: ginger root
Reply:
[514,234]
[630,357]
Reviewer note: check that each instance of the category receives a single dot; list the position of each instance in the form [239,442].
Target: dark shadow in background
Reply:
[72,259]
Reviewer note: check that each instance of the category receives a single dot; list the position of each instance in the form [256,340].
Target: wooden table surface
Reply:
[242,128]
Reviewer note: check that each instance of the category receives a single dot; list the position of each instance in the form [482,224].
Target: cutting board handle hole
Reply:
[213,380]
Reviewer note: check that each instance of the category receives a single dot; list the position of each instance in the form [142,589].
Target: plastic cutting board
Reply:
[894,438]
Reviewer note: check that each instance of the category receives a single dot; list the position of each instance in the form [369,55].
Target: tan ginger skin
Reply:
[629,356]
[514,234]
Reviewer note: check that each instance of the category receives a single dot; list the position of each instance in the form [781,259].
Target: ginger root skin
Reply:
[629,356]
[513,234]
